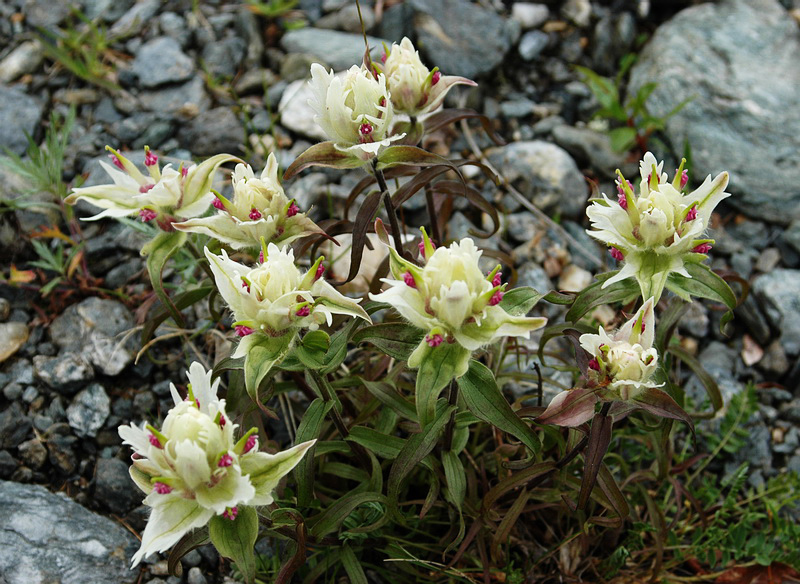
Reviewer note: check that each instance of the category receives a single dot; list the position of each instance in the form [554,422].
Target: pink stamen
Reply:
[146,188]
[319,272]
[365,129]
[623,202]
[147,215]
[382,102]
[250,444]
[434,340]
[154,441]
[197,403]
[644,326]
[225,460]
[496,298]
[261,257]
[616,254]
[435,78]
[422,248]
[303,311]
[497,280]
[409,280]
[150,159]
[255,214]
[218,204]
[116,161]
[230,513]
[184,171]
[702,248]
[162,488]
[684,178]
[245,284]
[692,214]
[292,210]
[243,330]
[222,421]
[383,58]
[594,364]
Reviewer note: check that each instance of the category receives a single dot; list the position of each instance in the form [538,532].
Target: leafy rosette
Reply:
[161,195]
[456,305]
[621,369]
[194,470]
[659,231]
[416,90]
[272,302]
[355,111]
[259,210]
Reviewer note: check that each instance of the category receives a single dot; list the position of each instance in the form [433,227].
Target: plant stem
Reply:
[201,260]
[452,399]
[435,233]
[390,211]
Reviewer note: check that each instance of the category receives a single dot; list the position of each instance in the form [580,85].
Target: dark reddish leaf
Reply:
[322,154]
[446,117]
[599,439]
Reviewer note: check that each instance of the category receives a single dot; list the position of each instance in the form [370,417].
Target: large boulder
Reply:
[739,63]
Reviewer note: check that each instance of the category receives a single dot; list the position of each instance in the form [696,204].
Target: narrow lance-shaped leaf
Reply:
[599,439]
[439,366]
[236,539]
[158,251]
[322,154]
[396,339]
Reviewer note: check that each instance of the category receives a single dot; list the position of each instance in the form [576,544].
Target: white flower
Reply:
[657,232]
[275,298]
[259,209]
[161,195]
[193,468]
[414,89]
[355,111]
[452,300]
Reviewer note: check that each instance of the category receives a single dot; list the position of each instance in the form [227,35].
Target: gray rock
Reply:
[447,30]
[296,114]
[522,226]
[517,108]
[695,320]
[114,488]
[65,373]
[347,19]
[33,453]
[88,411]
[92,328]
[174,25]
[46,14]
[719,361]
[182,101]
[24,59]
[196,576]
[14,426]
[20,113]
[161,61]
[592,149]
[21,371]
[30,394]
[7,464]
[775,360]
[613,36]
[529,15]
[297,66]
[212,132]
[12,391]
[135,18]
[121,274]
[544,173]
[107,10]
[739,60]
[222,58]
[779,296]
[340,50]
[397,22]
[532,44]
[46,537]
[61,453]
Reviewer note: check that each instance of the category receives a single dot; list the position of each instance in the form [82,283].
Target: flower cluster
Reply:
[355,111]
[275,299]
[259,210]
[415,90]
[659,230]
[161,195]
[452,300]
[193,468]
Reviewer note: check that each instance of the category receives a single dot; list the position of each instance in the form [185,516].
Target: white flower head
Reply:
[355,110]
[414,89]
[259,209]
[626,360]
[451,299]
[194,468]
[659,230]
[275,298]
[161,195]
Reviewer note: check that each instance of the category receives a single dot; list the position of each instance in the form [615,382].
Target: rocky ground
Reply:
[199,78]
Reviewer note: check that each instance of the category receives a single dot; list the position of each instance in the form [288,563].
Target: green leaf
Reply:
[381,444]
[595,295]
[236,539]
[322,154]
[352,566]
[455,476]
[708,381]
[484,399]
[659,403]
[704,283]
[311,350]
[396,339]
[388,396]
[439,366]
[309,429]
[193,539]
[181,301]
[158,251]
[415,449]
[331,518]
[262,354]
[337,351]
[411,156]
[520,301]
[622,138]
